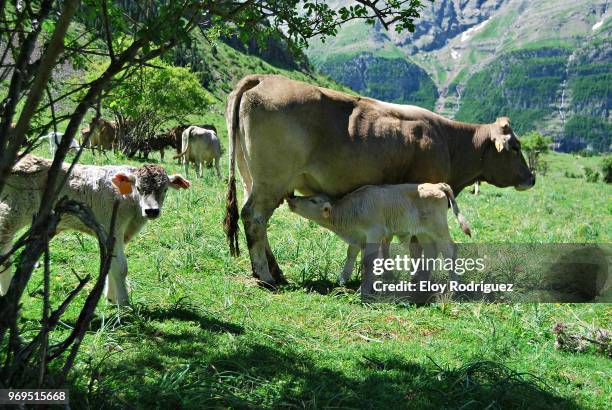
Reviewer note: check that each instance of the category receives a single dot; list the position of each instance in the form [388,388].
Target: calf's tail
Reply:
[451,198]
[232,111]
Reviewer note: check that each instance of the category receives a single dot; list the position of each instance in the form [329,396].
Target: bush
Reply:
[534,144]
[571,175]
[591,175]
[606,169]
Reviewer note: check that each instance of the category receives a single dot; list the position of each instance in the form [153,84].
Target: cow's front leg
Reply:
[349,265]
[6,244]
[116,284]
[6,273]
[255,215]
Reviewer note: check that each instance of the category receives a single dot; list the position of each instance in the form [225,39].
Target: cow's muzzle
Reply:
[523,186]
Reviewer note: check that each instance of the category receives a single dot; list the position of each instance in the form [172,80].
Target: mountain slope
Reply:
[546,64]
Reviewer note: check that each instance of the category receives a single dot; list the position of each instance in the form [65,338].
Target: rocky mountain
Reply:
[546,64]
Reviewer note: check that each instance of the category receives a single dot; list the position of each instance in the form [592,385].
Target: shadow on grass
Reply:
[322,286]
[256,375]
[190,315]
[144,316]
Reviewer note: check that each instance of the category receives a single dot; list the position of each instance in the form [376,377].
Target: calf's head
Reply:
[150,184]
[503,162]
[316,207]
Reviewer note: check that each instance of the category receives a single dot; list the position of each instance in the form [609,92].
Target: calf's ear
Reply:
[178,182]
[327,208]
[124,182]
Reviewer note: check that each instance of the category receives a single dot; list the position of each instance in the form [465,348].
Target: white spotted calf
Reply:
[95,187]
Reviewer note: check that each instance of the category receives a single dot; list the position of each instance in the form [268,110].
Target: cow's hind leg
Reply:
[186,166]
[217,168]
[255,215]
[199,169]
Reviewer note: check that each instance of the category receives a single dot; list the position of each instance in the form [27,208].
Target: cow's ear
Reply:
[327,208]
[124,182]
[178,182]
[504,124]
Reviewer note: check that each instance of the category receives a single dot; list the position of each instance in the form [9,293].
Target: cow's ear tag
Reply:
[499,145]
[123,183]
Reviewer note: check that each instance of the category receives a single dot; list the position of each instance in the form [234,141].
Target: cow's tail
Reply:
[180,155]
[451,198]
[186,145]
[232,111]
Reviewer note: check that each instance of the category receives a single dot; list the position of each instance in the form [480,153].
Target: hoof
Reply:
[280,280]
[268,285]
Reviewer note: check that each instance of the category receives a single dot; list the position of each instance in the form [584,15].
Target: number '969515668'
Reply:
[33,396]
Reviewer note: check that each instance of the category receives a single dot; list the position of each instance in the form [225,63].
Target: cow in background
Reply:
[102,134]
[55,138]
[176,133]
[200,146]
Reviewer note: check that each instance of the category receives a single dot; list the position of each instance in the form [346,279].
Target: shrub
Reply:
[591,175]
[606,169]
[568,174]
[534,144]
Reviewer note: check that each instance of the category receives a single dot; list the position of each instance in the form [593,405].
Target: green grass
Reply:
[201,333]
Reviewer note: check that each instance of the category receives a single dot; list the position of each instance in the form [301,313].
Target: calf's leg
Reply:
[7,232]
[6,273]
[116,285]
[351,257]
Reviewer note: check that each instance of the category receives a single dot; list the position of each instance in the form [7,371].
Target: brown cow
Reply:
[287,135]
[104,133]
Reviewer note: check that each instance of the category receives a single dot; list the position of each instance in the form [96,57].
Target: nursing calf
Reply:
[95,186]
[374,214]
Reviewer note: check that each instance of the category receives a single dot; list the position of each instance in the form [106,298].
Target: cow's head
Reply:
[150,184]
[317,207]
[503,162]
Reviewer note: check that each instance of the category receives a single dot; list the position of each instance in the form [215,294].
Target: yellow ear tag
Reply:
[499,145]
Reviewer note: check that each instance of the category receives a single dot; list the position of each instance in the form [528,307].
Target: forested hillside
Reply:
[545,64]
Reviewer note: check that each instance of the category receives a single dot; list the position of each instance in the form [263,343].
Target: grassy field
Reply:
[200,333]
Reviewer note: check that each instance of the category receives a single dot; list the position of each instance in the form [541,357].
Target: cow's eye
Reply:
[314,201]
